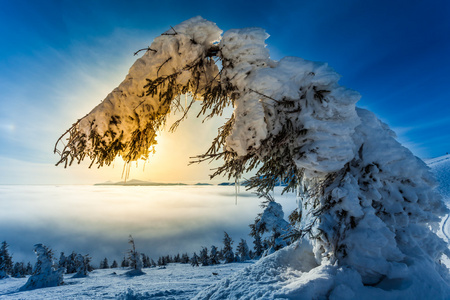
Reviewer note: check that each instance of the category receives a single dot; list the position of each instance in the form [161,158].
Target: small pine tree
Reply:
[104,264]
[135,260]
[214,256]
[29,269]
[6,264]
[258,247]
[82,266]
[125,263]
[194,260]
[62,263]
[71,263]
[242,250]
[228,253]
[133,256]
[114,264]
[152,262]
[184,258]
[18,270]
[145,261]
[177,258]
[204,258]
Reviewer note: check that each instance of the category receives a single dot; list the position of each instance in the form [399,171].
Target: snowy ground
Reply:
[177,281]
[440,166]
[185,282]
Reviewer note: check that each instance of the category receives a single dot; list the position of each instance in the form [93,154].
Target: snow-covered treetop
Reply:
[271,101]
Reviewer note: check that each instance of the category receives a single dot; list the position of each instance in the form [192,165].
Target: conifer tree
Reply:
[204,258]
[104,264]
[71,263]
[185,258]
[6,264]
[133,256]
[214,256]
[227,251]
[114,264]
[125,263]
[152,262]
[145,261]
[258,247]
[242,251]
[28,269]
[194,260]
[62,263]
[82,266]
[18,270]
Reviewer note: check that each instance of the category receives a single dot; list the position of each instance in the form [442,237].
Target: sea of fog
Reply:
[97,220]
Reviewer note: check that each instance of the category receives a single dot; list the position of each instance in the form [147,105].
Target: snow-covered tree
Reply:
[29,269]
[194,260]
[204,257]
[82,266]
[214,256]
[18,270]
[271,224]
[71,263]
[133,256]
[227,250]
[44,275]
[366,203]
[242,251]
[62,263]
[184,258]
[6,264]
[134,259]
[257,246]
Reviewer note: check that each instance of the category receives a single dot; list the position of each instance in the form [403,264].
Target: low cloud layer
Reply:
[97,220]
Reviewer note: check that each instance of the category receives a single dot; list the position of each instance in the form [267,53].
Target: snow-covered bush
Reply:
[44,275]
[367,205]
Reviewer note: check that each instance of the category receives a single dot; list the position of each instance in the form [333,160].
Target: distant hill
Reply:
[440,166]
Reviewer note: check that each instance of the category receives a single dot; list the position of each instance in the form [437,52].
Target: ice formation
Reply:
[367,209]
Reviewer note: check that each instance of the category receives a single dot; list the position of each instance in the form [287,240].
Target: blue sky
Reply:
[58,59]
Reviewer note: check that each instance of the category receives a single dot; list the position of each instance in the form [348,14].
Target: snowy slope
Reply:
[440,166]
[177,281]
